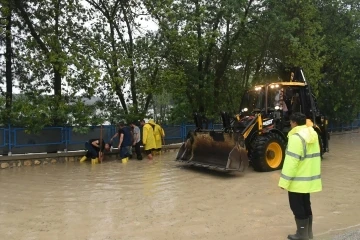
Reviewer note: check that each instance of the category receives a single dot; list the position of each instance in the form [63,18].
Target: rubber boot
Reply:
[302,232]
[83,159]
[124,160]
[94,161]
[311,235]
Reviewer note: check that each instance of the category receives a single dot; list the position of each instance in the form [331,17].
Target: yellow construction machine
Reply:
[257,135]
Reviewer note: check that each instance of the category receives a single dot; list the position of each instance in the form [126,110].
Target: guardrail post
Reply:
[65,136]
[182,131]
[9,139]
[109,132]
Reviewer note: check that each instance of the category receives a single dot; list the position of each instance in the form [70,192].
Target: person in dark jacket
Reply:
[95,150]
[125,141]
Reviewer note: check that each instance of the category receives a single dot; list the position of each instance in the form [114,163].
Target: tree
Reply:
[290,32]
[340,87]
[201,37]
[53,56]
[7,13]
[115,46]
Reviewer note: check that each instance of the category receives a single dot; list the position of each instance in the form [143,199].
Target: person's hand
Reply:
[119,147]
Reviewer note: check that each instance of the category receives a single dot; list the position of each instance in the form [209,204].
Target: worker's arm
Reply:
[121,139]
[162,136]
[95,143]
[145,133]
[136,136]
[293,155]
[116,134]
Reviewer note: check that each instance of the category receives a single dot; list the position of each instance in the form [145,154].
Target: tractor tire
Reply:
[268,152]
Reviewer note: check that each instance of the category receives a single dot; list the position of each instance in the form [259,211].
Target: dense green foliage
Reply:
[197,55]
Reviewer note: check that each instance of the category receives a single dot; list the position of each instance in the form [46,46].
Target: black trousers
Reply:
[138,151]
[91,151]
[300,205]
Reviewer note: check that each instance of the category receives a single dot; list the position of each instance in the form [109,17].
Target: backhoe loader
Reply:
[257,135]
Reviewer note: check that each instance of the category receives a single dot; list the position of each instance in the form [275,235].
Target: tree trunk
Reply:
[57,82]
[147,103]
[57,120]
[8,56]
[120,94]
[222,66]
[130,55]
[152,82]
[201,80]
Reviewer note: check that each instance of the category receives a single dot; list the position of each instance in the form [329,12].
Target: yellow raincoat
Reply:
[148,137]
[159,134]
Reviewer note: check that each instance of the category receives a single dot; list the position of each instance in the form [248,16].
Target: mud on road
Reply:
[163,199]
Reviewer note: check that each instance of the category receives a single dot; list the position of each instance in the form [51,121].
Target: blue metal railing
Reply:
[16,144]
[341,127]
[3,137]
[52,139]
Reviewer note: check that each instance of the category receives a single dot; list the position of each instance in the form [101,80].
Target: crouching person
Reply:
[95,150]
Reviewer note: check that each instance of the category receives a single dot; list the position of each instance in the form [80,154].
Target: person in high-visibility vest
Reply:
[301,173]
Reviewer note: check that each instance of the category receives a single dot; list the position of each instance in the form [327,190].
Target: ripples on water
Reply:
[72,192]
[155,182]
[161,199]
[77,182]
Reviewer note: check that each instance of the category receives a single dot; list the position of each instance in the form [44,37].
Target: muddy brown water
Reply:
[163,199]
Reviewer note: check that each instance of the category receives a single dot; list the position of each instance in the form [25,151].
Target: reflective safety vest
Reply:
[301,171]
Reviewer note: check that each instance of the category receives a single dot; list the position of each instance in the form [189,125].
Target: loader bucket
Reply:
[214,149]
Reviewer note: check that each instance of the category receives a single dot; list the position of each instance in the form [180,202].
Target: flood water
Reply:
[163,199]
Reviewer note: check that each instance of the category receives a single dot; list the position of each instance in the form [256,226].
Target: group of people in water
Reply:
[152,139]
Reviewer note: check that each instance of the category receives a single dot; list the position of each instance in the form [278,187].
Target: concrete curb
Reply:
[52,158]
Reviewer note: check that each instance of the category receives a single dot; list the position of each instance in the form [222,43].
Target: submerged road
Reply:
[163,199]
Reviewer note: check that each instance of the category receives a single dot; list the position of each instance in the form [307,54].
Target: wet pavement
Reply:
[163,199]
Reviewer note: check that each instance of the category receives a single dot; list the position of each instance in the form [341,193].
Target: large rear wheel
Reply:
[268,152]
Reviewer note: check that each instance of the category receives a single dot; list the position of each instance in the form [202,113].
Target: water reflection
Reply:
[166,200]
